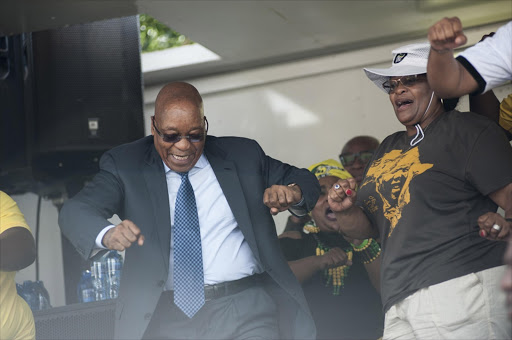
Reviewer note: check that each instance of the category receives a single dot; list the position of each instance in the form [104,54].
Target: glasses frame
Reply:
[404,80]
[357,155]
[165,137]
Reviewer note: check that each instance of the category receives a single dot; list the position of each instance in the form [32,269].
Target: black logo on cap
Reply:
[399,57]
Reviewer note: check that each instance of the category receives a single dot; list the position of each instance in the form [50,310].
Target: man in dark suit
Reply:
[249,290]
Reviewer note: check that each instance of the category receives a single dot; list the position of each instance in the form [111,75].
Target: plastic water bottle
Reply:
[86,292]
[42,296]
[99,279]
[35,294]
[114,263]
[26,291]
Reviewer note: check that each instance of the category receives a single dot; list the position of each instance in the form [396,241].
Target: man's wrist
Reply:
[443,51]
[99,239]
[299,204]
[299,209]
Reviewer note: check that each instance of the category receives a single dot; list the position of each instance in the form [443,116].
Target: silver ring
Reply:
[336,186]
[496,227]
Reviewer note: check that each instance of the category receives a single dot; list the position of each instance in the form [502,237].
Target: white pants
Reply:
[468,307]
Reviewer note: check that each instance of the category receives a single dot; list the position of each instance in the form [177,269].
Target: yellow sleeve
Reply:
[506,113]
[10,214]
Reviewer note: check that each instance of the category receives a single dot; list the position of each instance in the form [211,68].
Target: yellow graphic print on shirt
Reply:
[392,175]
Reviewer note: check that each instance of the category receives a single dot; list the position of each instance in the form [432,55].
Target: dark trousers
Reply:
[249,314]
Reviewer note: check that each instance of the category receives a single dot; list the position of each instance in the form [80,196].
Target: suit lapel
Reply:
[227,175]
[154,175]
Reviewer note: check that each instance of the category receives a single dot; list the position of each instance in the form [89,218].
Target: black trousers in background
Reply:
[249,314]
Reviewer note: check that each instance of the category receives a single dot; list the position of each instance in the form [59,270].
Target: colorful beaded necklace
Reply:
[333,276]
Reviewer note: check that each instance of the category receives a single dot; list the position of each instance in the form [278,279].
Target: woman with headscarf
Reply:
[430,194]
[336,274]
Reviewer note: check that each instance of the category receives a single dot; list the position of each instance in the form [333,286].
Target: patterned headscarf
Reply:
[329,167]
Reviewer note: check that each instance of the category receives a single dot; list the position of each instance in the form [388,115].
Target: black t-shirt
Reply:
[425,201]
[356,313]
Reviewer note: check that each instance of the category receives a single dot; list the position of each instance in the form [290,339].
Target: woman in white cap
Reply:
[431,193]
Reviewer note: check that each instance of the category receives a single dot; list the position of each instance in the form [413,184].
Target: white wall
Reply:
[50,250]
[300,112]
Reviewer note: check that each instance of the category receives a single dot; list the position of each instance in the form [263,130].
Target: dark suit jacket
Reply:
[132,184]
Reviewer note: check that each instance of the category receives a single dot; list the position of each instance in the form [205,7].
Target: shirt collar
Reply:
[201,163]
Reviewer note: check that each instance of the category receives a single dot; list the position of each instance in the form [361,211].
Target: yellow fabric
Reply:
[506,113]
[329,167]
[16,319]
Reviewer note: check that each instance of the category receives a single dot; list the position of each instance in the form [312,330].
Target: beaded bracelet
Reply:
[364,245]
[367,251]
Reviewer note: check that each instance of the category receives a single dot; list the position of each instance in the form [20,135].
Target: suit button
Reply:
[147,316]
[161,283]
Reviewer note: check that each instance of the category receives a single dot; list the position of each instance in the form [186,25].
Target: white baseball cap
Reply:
[407,60]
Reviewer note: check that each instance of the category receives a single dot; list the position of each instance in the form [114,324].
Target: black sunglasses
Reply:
[391,85]
[349,159]
[175,137]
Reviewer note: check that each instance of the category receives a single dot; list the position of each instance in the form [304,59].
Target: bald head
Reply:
[357,153]
[366,143]
[176,93]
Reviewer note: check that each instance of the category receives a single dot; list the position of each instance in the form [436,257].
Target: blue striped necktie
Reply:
[188,259]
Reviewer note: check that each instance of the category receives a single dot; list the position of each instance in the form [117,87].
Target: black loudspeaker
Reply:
[92,320]
[15,114]
[66,96]
[87,95]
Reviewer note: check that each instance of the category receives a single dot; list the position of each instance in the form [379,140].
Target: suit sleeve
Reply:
[281,173]
[83,217]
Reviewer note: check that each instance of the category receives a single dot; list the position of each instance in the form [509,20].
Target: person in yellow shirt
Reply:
[505,119]
[17,251]
[488,105]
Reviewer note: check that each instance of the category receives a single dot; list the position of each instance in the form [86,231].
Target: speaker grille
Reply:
[88,74]
[93,320]
[87,95]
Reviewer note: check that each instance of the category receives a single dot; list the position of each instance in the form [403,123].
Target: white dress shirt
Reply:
[226,254]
